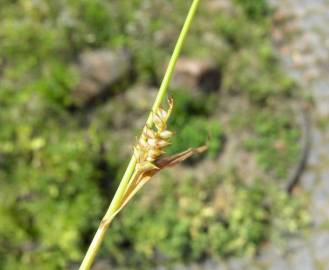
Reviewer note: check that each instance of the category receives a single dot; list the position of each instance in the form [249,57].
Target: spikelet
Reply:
[147,152]
[154,138]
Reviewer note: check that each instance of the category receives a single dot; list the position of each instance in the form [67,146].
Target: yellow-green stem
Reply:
[100,234]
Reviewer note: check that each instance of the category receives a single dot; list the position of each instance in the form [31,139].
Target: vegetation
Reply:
[200,219]
[190,117]
[60,162]
[272,142]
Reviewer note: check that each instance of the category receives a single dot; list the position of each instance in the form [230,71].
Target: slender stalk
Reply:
[105,223]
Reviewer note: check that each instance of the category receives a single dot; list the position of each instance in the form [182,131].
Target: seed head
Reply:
[155,137]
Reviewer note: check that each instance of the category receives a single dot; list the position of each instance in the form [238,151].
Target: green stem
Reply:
[172,63]
[100,234]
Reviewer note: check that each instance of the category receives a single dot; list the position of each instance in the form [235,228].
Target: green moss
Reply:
[255,9]
[182,223]
[191,118]
[274,142]
[49,182]
[197,132]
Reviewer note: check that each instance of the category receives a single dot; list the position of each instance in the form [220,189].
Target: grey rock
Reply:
[98,71]
[214,265]
[317,138]
[308,180]
[278,264]
[269,254]
[319,199]
[320,244]
[302,260]
[193,73]
[140,97]
[240,264]
[323,108]
[220,6]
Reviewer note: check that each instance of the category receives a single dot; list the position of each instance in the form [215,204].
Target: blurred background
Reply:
[77,79]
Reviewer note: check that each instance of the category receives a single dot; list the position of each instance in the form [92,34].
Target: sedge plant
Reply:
[147,158]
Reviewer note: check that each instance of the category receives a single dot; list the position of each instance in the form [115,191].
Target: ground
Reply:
[67,129]
[303,44]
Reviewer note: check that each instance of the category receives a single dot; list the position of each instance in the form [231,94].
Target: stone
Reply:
[278,264]
[323,108]
[225,6]
[240,264]
[320,243]
[311,74]
[214,265]
[269,253]
[140,97]
[196,73]
[281,16]
[308,180]
[99,70]
[314,157]
[301,260]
